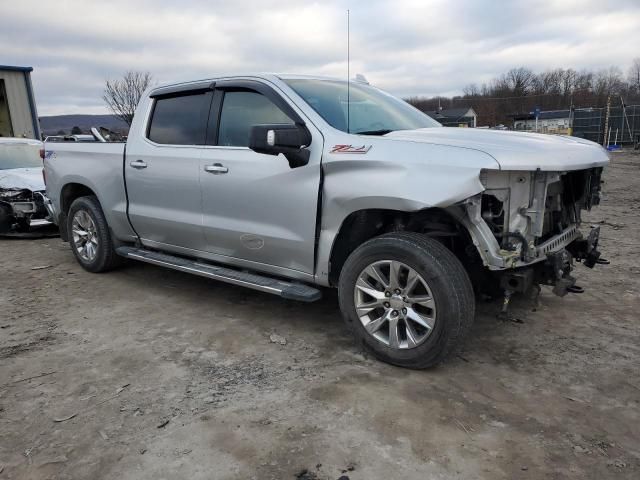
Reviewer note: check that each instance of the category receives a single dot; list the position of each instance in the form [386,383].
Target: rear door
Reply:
[257,210]
[162,171]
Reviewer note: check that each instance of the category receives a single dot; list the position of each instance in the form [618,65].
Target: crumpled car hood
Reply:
[22,178]
[515,150]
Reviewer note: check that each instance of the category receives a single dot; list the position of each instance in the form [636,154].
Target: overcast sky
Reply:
[408,47]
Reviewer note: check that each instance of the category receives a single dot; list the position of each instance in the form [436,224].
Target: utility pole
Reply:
[606,121]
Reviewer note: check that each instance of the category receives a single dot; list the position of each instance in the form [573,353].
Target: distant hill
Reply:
[53,124]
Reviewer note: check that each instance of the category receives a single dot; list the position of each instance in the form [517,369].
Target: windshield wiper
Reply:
[374,132]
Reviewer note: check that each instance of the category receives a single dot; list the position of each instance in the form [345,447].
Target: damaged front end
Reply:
[22,190]
[20,207]
[526,226]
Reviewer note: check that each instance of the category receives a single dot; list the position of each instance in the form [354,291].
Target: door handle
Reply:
[216,169]
[139,164]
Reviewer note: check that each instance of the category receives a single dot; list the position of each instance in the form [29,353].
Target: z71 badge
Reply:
[350,149]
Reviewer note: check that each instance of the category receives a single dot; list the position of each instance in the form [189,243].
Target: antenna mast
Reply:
[348,74]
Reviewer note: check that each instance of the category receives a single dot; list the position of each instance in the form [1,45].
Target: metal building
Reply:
[18,114]
[455,117]
[552,121]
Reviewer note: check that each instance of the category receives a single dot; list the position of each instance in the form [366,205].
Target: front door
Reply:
[257,210]
[163,172]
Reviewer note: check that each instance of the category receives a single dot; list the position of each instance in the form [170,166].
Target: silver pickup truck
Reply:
[286,184]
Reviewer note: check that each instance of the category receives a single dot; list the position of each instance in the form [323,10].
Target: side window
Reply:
[180,120]
[241,110]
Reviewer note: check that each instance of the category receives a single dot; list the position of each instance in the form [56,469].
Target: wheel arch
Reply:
[363,225]
[70,192]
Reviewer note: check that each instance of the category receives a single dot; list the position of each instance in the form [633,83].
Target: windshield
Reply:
[21,155]
[370,111]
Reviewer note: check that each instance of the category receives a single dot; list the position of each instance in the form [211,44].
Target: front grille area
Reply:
[562,240]
[576,191]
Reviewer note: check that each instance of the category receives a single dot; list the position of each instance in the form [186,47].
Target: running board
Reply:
[288,290]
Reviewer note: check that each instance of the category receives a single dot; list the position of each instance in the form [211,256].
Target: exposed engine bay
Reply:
[527,226]
[525,210]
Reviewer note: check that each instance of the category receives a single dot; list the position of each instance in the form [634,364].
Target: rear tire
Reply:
[90,237]
[429,301]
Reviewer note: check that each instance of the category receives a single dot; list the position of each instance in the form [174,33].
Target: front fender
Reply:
[426,176]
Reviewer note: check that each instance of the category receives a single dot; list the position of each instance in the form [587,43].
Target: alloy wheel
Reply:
[394,304]
[85,237]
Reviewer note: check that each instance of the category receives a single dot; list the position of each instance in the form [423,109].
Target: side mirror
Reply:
[290,140]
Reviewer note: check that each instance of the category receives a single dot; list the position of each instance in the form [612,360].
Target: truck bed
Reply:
[97,165]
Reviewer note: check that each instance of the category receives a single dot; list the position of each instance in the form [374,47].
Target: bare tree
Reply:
[122,95]
[634,74]
[471,90]
[520,91]
[547,82]
[608,82]
[519,80]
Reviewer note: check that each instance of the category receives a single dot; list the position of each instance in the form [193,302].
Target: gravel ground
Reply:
[146,373]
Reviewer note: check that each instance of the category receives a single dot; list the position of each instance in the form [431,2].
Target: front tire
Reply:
[407,299]
[90,237]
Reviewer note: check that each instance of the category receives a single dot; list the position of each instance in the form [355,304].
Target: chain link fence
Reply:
[623,126]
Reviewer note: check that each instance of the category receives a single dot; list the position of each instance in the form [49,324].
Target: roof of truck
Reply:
[263,75]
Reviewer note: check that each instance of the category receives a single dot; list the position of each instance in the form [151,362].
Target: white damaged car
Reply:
[22,191]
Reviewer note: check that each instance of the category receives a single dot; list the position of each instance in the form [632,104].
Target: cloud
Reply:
[409,47]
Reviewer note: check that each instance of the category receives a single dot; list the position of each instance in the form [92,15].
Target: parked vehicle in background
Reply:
[104,135]
[71,138]
[98,134]
[285,184]
[22,190]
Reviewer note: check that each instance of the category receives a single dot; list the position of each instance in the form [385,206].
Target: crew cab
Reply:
[288,184]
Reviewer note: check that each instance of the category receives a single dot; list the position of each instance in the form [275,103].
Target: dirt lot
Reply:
[171,376]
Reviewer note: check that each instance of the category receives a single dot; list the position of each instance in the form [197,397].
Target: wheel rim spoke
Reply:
[411,335]
[421,320]
[394,339]
[394,273]
[412,280]
[375,325]
[375,274]
[363,286]
[82,221]
[424,300]
[365,308]
[394,304]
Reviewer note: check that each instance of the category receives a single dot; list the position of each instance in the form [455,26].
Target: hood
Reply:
[22,178]
[515,150]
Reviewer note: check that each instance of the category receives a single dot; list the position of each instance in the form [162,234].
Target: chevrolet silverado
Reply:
[286,184]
